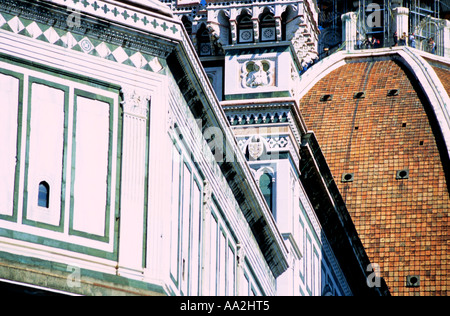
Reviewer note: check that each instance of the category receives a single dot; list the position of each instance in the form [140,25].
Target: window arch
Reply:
[266,186]
[225,28]
[267,27]
[44,195]
[204,41]
[327,291]
[245,28]
[187,24]
[287,18]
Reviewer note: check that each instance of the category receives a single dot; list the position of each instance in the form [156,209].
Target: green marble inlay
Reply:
[81,43]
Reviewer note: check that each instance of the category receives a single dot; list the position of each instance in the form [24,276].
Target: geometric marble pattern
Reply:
[73,41]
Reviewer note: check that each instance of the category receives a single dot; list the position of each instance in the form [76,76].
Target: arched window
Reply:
[284,25]
[266,186]
[225,28]
[44,195]
[203,41]
[327,291]
[267,27]
[245,28]
[288,17]
[187,24]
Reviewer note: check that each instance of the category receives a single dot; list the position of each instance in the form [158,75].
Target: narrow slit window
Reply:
[266,186]
[44,195]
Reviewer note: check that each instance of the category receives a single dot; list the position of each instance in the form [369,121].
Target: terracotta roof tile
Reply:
[444,76]
[403,223]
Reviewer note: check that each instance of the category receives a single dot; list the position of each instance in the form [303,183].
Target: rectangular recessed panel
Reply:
[9,107]
[91,166]
[46,149]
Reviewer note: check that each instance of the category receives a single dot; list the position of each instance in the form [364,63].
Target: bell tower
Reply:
[264,48]
[252,50]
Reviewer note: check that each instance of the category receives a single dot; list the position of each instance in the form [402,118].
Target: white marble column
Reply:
[349,21]
[401,23]
[446,37]
[234,34]
[255,30]
[278,28]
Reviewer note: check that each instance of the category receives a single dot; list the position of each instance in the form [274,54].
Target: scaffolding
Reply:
[375,22]
[330,24]
[424,24]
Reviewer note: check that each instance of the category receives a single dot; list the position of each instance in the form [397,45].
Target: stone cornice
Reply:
[108,21]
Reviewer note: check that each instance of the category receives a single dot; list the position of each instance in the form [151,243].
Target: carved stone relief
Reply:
[256,147]
[257,73]
[135,103]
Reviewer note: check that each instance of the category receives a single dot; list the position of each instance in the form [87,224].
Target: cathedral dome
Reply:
[384,138]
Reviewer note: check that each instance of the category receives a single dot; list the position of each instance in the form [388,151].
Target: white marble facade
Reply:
[104,167]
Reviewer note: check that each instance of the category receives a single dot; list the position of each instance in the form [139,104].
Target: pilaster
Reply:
[255,29]
[206,219]
[240,271]
[278,28]
[134,152]
[233,25]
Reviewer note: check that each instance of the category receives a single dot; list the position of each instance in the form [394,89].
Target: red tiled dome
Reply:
[403,222]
